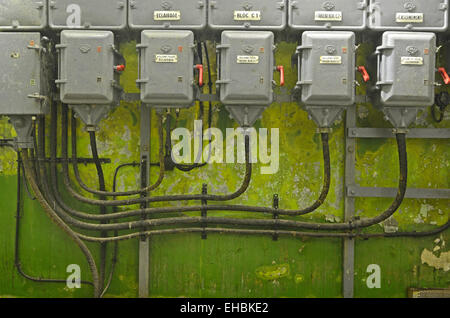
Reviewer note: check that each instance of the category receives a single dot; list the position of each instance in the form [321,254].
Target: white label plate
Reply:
[328,16]
[412,60]
[166,58]
[331,60]
[409,17]
[167,15]
[247,15]
[247,59]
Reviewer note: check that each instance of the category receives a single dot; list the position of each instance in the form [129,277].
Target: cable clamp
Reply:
[276,204]
[396,131]
[324,130]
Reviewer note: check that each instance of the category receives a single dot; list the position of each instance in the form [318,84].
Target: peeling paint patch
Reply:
[271,273]
[441,262]
[423,214]
[299,278]
[332,218]
[390,225]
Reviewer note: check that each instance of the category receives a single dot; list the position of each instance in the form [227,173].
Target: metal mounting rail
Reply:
[354,191]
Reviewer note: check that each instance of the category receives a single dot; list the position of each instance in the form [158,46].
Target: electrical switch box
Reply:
[87,67]
[23,15]
[406,69]
[162,14]
[246,68]
[167,68]
[327,68]
[20,81]
[413,15]
[88,14]
[347,15]
[247,14]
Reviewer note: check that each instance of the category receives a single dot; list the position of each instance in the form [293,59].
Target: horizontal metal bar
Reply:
[283,97]
[370,192]
[418,133]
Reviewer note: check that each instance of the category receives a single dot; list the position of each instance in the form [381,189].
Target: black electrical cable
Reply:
[226,197]
[188,168]
[278,223]
[103,210]
[119,215]
[401,140]
[272,233]
[116,233]
[45,199]
[112,194]
[442,100]
[403,168]
[60,223]
[17,262]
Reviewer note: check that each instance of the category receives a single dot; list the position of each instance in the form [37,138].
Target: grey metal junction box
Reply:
[348,15]
[88,14]
[88,76]
[86,67]
[162,14]
[327,73]
[246,70]
[23,15]
[20,80]
[247,14]
[327,68]
[166,75]
[414,15]
[406,74]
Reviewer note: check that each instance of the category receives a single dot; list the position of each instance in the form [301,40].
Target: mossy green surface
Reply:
[241,266]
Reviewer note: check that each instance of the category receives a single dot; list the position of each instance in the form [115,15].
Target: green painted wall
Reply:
[244,266]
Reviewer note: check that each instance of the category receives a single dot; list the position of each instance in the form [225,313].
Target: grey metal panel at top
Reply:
[247,14]
[167,68]
[88,14]
[162,14]
[23,15]
[413,15]
[21,74]
[328,15]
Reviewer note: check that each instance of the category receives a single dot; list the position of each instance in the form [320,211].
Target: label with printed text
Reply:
[409,17]
[166,58]
[328,16]
[412,60]
[167,15]
[331,60]
[247,15]
[248,59]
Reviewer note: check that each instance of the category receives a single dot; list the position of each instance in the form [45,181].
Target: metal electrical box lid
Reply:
[86,67]
[246,68]
[167,68]
[327,68]
[328,15]
[88,14]
[163,14]
[23,15]
[414,15]
[406,70]
[247,14]
[20,81]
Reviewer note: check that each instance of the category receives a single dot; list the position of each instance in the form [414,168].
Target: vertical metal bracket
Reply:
[144,242]
[350,175]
